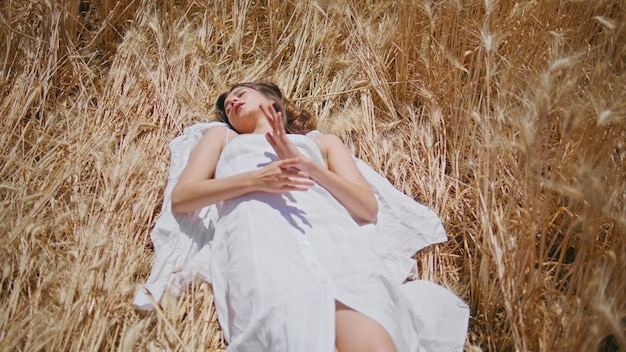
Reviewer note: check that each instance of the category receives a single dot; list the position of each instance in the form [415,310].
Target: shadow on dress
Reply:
[284,202]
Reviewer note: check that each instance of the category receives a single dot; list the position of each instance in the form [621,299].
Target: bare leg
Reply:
[357,332]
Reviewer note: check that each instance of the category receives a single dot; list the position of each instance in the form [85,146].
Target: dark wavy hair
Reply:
[295,120]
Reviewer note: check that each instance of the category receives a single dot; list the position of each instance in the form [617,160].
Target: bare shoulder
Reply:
[329,142]
[337,155]
[212,142]
[217,132]
[339,158]
[216,136]
[201,164]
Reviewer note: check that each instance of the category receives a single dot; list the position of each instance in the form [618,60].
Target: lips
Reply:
[237,107]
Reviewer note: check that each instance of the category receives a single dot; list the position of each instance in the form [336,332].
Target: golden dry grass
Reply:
[508,118]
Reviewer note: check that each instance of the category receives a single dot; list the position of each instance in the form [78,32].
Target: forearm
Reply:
[358,200]
[190,196]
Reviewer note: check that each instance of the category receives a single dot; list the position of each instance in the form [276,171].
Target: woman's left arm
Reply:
[342,178]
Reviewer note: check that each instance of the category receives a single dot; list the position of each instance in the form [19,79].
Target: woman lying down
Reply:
[290,268]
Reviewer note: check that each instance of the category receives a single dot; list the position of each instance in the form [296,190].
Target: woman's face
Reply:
[241,106]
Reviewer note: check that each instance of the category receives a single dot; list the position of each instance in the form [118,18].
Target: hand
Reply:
[283,147]
[282,176]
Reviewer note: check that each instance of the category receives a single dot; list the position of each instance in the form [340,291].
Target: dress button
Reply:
[305,242]
[323,281]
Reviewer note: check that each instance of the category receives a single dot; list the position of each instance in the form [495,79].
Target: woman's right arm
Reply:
[197,187]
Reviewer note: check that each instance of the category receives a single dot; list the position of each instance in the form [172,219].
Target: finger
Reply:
[303,183]
[303,174]
[279,123]
[270,115]
[286,163]
[295,172]
[278,120]
[299,188]
[273,117]
[264,110]
[293,188]
[270,139]
[307,182]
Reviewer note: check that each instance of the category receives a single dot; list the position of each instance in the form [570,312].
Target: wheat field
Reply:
[507,118]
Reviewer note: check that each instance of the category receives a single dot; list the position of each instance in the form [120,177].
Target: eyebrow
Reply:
[236,90]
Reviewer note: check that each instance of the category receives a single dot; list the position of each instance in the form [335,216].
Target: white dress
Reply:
[279,262]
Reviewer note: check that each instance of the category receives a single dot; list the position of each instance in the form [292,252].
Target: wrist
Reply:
[250,181]
[310,167]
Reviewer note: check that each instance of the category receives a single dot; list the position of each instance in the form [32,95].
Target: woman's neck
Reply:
[262,127]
